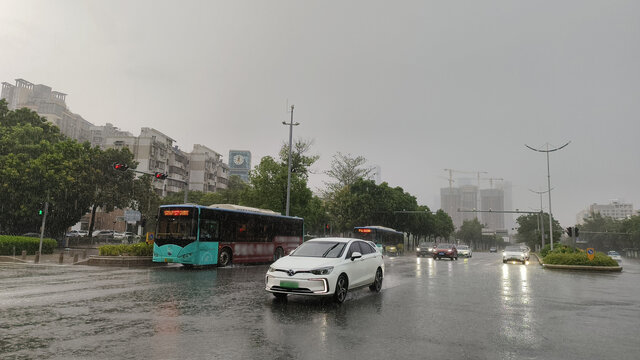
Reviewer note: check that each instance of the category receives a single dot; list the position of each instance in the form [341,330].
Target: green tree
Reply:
[112,188]
[443,225]
[529,229]
[606,233]
[38,165]
[470,232]
[268,184]
[346,170]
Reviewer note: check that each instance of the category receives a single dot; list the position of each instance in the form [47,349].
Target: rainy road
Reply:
[467,309]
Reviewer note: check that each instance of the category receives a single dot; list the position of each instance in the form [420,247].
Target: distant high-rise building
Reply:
[615,209]
[378,174]
[507,188]
[492,199]
[450,202]
[240,163]
[48,104]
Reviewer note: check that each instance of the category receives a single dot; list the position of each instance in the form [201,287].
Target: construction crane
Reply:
[491,180]
[450,180]
[451,171]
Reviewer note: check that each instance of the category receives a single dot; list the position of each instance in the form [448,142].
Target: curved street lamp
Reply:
[549,184]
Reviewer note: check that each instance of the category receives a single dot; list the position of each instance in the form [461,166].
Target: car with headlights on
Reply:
[615,255]
[425,249]
[327,267]
[444,250]
[515,253]
[464,251]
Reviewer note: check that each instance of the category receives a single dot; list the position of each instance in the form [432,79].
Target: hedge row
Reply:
[578,258]
[558,248]
[139,249]
[30,244]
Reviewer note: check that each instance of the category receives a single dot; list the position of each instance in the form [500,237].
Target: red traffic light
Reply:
[160,176]
[120,167]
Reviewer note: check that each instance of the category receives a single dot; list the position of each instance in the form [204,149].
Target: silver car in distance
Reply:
[326,267]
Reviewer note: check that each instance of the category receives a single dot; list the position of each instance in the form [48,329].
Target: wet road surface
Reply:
[476,308]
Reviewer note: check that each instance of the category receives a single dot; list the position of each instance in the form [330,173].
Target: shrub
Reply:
[578,258]
[558,248]
[139,249]
[30,244]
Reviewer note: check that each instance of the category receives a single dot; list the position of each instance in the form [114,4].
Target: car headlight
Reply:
[272,269]
[322,271]
[417,249]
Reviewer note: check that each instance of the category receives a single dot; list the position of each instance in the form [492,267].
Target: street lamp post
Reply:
[547,151]
[541,216]
[291,125]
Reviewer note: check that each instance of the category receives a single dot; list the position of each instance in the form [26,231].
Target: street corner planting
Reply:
[14,245]
[138,249]
[578,258]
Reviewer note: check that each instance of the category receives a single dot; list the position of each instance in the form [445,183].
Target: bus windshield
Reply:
[176,227]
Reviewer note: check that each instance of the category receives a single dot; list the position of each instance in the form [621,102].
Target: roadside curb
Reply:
[11,259]
[583,267]
[123,261]
[539,259]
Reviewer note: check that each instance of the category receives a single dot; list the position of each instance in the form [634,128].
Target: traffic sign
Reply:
[150,238]
[591,253]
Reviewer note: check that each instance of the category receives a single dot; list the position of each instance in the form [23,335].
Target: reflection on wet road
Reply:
[476,308]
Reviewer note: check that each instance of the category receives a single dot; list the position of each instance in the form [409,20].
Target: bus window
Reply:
[208,230]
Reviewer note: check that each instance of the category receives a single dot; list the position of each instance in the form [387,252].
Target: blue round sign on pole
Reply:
[591,253]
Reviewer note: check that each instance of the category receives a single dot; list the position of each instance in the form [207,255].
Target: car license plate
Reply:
[441,253]
[289,284]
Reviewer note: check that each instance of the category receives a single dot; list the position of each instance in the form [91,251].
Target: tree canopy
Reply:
[39,165]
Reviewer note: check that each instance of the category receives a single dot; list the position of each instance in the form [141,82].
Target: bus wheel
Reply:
[224,258]
[278,254]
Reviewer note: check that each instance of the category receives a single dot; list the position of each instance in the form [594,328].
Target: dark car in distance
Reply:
[444,250]
[493,250]
[425,249]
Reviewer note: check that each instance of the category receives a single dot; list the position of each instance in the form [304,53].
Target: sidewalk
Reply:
[54,259]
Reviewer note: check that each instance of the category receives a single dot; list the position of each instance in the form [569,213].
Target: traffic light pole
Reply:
[164,177]
[44,222]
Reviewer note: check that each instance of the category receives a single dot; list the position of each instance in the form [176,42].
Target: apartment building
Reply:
[207,171]
[615,209]
[48,104]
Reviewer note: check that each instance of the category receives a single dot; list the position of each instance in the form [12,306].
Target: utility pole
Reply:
[291,125]
[541,215]
[547,151]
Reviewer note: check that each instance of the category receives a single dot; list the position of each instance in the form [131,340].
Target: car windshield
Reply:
[425,245]
[328,249]
[444,246]
[514,248]
[462,247]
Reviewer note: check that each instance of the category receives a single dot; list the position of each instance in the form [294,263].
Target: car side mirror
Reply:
[355,255]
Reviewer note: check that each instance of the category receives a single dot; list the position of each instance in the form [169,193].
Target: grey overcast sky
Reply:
[413,86]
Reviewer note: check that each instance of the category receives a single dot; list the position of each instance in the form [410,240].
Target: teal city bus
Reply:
[196,235]
[389,241]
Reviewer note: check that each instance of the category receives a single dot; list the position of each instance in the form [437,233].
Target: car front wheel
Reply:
[342,286]
[377,282]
